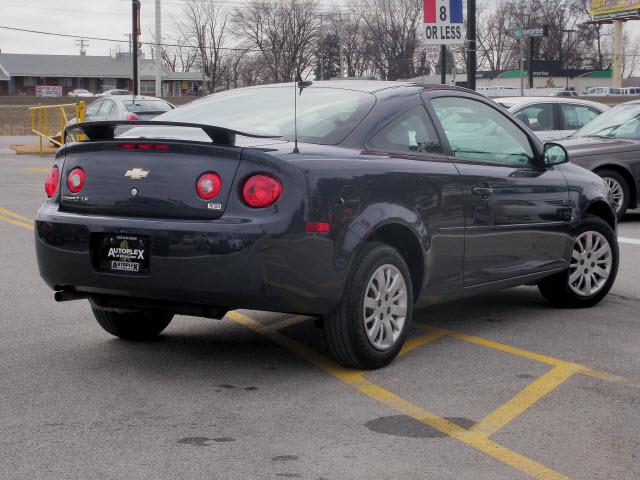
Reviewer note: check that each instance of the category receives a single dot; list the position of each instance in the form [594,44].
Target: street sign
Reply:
[517,33]
[444,22]
[536,32]
[432,53]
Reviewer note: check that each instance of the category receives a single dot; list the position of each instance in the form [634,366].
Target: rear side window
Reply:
[94,108]
[538,117]
[410,133]
[150,106]
[106,108]
[574,117]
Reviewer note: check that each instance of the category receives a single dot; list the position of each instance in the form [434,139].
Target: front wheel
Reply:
[369,326]
[142,325]
[592,269]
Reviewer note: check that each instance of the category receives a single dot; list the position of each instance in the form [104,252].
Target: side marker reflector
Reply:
[317,228]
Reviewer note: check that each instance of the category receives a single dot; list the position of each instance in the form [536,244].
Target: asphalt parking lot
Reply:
[496,387]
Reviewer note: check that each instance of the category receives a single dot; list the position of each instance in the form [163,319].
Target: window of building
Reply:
[29,81]
[66,82]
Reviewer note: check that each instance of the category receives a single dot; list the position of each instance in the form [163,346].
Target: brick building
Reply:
[21,73]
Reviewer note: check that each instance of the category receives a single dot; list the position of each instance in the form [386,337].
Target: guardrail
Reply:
[40,120]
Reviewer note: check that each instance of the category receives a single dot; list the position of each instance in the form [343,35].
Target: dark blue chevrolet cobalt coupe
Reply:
[356,201]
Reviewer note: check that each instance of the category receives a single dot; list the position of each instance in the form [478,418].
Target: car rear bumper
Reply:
[235,263]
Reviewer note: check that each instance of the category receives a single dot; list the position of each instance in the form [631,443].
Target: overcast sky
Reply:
[96,18]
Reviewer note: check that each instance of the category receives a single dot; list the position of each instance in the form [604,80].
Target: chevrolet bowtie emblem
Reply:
[137,173]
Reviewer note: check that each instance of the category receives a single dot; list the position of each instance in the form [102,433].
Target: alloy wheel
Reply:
[385,307]
[617,192]
[591,263]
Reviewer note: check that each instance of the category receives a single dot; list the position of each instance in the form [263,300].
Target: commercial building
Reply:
[24,74]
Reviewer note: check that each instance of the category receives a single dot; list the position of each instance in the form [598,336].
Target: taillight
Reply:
[132,117]
[208,185]
[52,181]
[76,179]
[261,190]
[144,146]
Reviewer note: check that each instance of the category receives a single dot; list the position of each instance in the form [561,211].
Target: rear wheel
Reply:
[369,326]
[619,190]
[141,325]
[592,270]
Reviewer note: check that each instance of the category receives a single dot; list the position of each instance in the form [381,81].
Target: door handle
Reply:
[483,192]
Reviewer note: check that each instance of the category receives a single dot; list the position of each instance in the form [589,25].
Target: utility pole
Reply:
[135,6]
[82,43]
[321,49]
[471,42]
[532,43]
[158,58]
[340,47]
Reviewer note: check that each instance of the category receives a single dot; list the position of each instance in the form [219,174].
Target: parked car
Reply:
[555,117]
[564,93]
[604,91]
[610,147]
[125,107]
[80,92]
[377,197]
[635,91]
[115,91]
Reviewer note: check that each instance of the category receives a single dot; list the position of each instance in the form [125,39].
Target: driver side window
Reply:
[481,133]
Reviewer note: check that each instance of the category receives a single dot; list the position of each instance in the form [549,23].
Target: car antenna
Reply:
[298,84]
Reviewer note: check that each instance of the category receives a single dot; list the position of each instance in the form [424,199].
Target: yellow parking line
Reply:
[356,379]
[9,213]
[16,222]
[523,400]
[413,343]
[287,322]
[592,372]
[36,169]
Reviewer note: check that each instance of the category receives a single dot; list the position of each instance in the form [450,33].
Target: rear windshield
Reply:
[143,106]
[325,115]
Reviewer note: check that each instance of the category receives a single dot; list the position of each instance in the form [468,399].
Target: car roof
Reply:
[517,101]
[366,86]
[133,97]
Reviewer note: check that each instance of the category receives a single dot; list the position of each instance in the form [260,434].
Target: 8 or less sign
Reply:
[444,22]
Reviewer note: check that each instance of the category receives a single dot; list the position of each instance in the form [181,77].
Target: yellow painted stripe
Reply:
[592,372]
[36,169]
[287,322]
[413,343]
[495,345]
[356,379]
[521,402]
[9,213]
[16,222]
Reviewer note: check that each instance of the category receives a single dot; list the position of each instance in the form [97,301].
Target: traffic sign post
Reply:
[443,25]
[444,22]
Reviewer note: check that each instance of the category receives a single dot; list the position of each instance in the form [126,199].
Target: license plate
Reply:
[124,253]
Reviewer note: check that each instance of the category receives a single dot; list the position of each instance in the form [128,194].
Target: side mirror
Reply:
[555,154]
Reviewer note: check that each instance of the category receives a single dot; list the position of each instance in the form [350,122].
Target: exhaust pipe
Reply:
[67,296]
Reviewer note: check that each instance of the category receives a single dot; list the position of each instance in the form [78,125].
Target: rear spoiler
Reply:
[105,130]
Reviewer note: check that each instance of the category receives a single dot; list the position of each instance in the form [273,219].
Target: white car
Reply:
[552,117]
[80,92]
[605,92]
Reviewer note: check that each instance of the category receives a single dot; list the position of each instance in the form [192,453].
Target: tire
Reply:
[620,188]
[568,291]
[141,325]
[346,328]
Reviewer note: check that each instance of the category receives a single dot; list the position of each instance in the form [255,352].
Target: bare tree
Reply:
[391,33]
[496,44]
[284,32]
[179,57]
[205,26]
